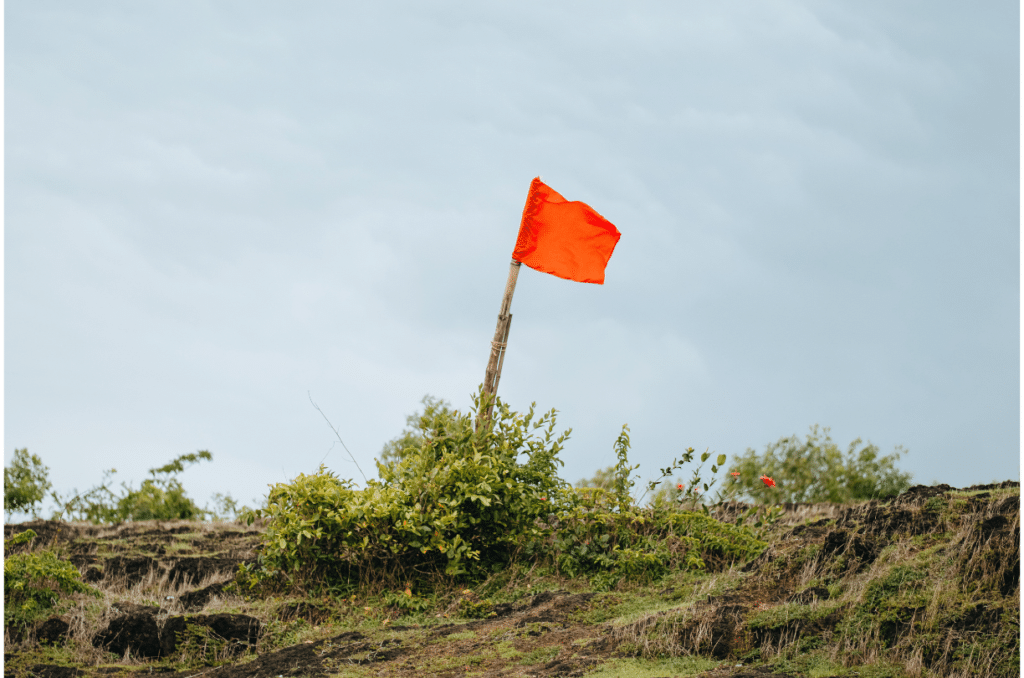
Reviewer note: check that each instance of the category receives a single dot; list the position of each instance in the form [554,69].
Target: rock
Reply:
[136,632]
[239,630]
[131,570]
[196,600]
[314,614]
[53,631]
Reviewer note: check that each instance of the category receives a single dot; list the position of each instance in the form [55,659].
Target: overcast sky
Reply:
[214,210]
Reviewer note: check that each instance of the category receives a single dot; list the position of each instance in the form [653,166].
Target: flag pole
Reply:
[498,345]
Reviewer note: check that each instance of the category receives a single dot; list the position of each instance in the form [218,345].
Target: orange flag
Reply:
[563,238]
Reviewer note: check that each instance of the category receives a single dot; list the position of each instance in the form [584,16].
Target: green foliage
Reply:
[34,582]
[25,482]
[225,507]
[469,502]
[406,601]
[690,495]
[622,484]
[816,470]
[464,500]
[416,424]
[471,607]
[161,497]
[602,480]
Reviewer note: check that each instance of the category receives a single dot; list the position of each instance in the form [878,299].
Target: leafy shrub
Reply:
[464,499]
[411,437]
[34,582]
[25,482]
[406,601]
[466,502]
[689,495]
[225,507]
[161,497]
[816,470]
[602,480]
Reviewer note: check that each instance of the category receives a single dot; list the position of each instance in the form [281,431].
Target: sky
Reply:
[219,213]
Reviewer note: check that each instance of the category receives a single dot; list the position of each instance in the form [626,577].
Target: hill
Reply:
[927,584]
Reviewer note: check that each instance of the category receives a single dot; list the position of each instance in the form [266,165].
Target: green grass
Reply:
[780,615]
[637,668]
[507,652]
[539,656]
[638,607]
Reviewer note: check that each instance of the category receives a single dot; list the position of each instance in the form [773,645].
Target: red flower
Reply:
[768,481]
[679,486]
[735,473]
[543,498]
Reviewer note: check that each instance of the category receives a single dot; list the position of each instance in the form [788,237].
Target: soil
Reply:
[553,633]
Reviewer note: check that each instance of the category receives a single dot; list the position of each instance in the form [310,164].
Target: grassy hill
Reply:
[926,584]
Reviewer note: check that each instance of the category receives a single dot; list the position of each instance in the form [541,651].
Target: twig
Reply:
[339,436]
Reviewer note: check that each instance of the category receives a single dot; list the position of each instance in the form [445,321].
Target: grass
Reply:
[539,656]
[657,668]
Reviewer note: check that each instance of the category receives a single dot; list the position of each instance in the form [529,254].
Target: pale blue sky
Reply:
[213,208]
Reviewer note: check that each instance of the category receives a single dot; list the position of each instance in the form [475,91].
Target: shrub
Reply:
[161,497]
[415,426]
[464,499]
[25,482]
[602,479]
[34,582]
[816,470]
[466,502]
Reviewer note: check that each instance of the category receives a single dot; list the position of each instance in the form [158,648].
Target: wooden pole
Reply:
[498,345]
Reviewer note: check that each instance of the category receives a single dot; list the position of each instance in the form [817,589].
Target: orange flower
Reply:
[679,486]
[735,473]
[768,481]
[543,498]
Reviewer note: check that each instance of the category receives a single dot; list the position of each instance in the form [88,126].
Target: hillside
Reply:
[927,584]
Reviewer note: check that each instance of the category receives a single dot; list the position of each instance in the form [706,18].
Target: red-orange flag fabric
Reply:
[564,238]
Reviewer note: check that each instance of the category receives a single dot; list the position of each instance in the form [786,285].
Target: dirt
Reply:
[175,576]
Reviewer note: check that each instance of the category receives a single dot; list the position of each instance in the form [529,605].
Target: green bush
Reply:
[415,425]
[602,480]
[161,497]
[464,499]
[816,470]
[464,502]
[34,582]
[25,482]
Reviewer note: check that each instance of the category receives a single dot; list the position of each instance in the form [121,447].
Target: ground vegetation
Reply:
[470,556]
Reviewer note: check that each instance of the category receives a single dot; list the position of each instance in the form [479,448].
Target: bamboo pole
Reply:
[492,375]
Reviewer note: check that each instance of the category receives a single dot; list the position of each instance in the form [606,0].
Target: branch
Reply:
[339,436]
